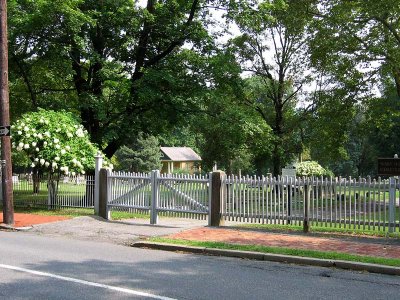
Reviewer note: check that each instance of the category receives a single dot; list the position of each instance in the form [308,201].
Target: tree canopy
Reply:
[250,84]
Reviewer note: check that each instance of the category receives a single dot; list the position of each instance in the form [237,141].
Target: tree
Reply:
[273,47]
[356,46]
[124,63]
[227,131]
[358,41]
[56,144]
[141,156]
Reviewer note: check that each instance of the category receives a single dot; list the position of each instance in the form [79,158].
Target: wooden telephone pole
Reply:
[6,167]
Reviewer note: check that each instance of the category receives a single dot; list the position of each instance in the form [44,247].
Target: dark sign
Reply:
[5,130]
[389,166]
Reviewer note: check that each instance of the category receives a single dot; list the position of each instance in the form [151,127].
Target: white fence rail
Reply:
[343,203]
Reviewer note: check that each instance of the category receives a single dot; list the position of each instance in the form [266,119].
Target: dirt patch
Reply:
[26,220]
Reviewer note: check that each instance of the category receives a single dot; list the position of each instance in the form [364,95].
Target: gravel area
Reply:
[119,232]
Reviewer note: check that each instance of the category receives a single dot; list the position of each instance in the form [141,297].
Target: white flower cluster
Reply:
[46,147]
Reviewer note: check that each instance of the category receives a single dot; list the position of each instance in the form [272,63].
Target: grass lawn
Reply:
[285,251]
[79,212]
[69,212]
[348,230]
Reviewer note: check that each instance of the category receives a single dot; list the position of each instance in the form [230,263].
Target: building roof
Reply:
[179,154]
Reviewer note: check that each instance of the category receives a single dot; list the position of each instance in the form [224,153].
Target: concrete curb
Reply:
[348,265]
[10,227]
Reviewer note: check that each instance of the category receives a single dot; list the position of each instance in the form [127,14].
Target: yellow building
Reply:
[179,158]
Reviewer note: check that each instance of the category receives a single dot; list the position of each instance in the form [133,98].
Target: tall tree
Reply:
[126,64]
[273,47]
[356,46]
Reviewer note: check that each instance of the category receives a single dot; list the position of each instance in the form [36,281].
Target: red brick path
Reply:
[355,246]
[24,220]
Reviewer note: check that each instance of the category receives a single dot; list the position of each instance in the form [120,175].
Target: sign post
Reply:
[390,167]
[6,167]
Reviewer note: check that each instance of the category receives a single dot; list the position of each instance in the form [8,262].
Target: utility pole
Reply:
[6,167]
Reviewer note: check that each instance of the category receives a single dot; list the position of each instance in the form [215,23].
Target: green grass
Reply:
[23,192]
[120,215]
[348,229]
[69,212]
[78,212]
[285,251]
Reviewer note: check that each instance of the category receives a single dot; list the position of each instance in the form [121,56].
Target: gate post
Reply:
[217,198]
[98,165]
[154,196]
[104,193]
[392,202]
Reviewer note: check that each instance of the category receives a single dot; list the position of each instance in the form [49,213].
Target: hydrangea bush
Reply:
[311,168]
[55,143]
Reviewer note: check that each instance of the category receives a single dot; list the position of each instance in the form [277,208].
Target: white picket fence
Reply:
[330,202]
[159,194]
[73,192]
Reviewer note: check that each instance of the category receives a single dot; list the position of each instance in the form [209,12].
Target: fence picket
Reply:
[356,203]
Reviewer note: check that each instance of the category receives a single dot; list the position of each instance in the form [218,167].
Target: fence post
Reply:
[104,193]
[217,198]
[98,165]
[154,196]
[392,202]
[307,191]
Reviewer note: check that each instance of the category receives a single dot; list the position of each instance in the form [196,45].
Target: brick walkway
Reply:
[377,247]
[25,220]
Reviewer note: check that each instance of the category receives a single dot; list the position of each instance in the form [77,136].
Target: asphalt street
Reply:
[43,267]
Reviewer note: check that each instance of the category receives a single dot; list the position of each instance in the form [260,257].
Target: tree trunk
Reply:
[278,132]
[396,74]
[52,185]
[36,181]
[277,159]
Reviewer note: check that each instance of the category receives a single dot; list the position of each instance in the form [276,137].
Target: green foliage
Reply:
[20,160]
[232,134]
[141,156]
[180,172]
[274,91]
[121,67]
[54,142]
[311,168]
[356,42]
[114,62]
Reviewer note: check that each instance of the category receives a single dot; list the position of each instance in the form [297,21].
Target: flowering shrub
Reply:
[54,142]
[311,168]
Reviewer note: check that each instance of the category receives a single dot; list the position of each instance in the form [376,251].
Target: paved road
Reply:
[43,267]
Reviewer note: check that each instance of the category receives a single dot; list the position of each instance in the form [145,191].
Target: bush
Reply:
[312,168]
